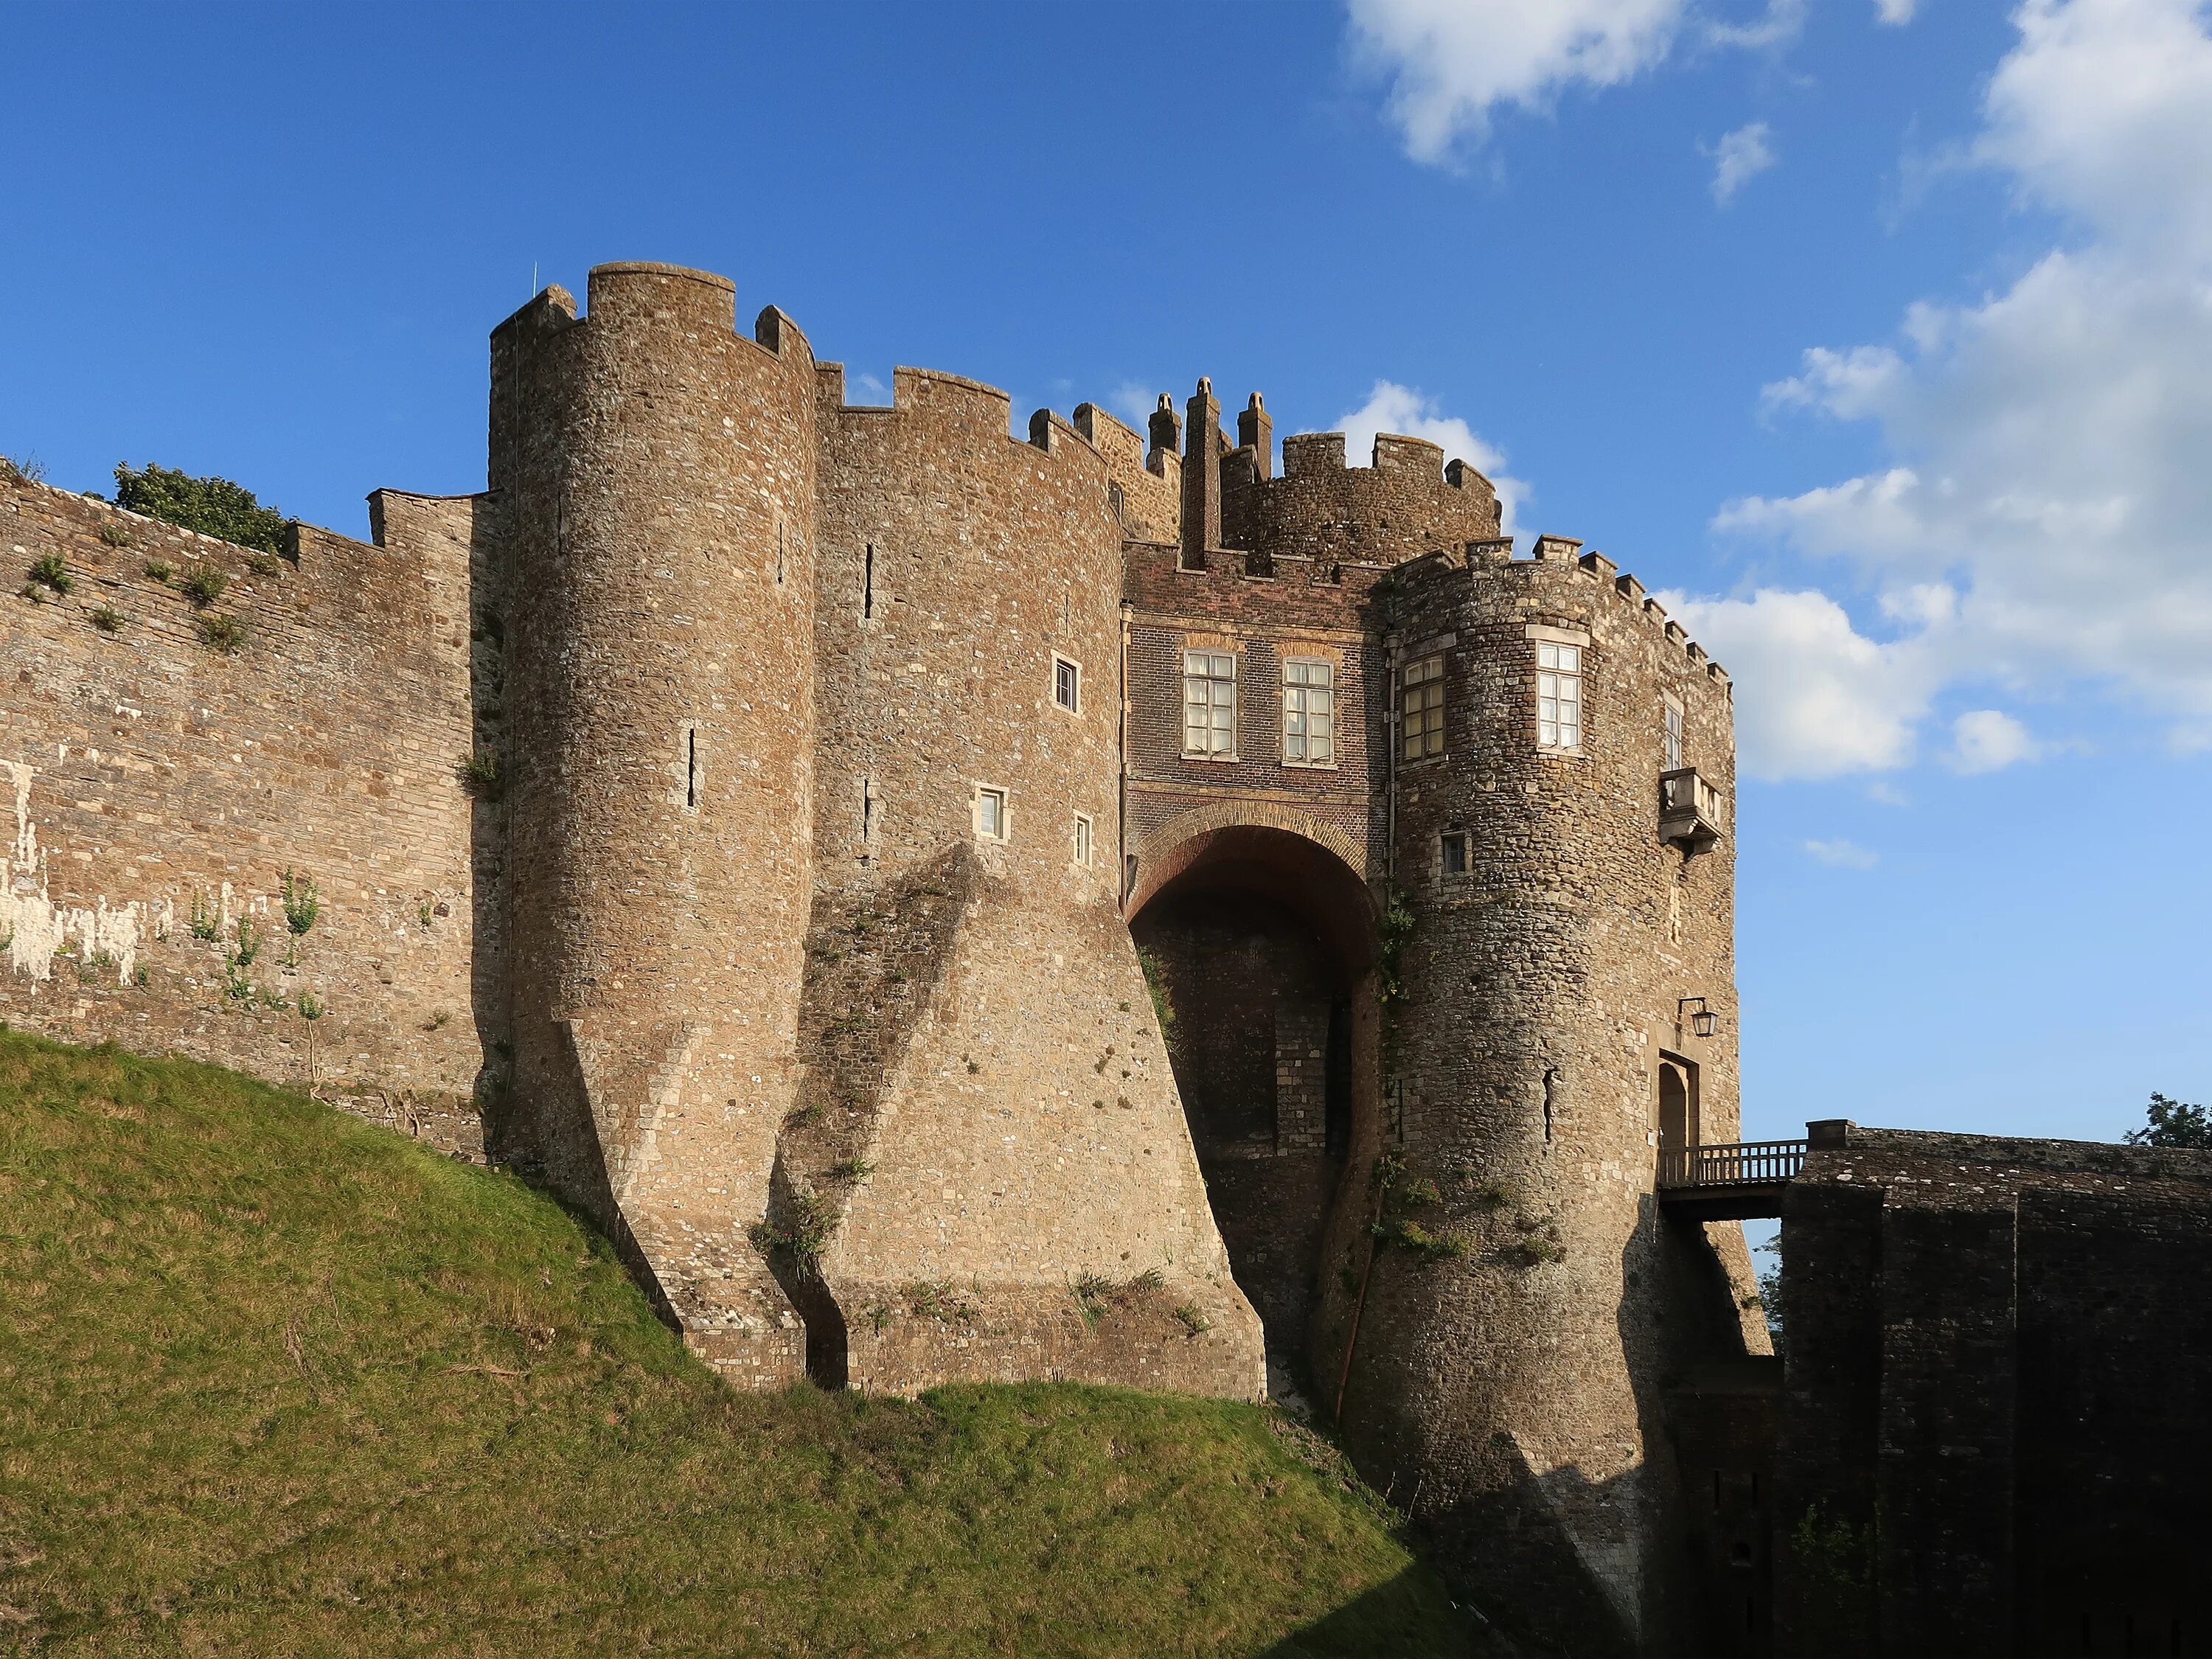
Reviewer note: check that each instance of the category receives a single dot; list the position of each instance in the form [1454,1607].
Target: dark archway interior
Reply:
[1263,944]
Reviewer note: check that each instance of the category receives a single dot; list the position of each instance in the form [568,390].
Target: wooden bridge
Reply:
[1727,1183]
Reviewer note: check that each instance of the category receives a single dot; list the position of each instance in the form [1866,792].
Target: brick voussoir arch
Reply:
[1159,855]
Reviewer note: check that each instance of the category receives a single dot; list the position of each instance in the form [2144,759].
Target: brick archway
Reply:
[1266,844]
[1256,926]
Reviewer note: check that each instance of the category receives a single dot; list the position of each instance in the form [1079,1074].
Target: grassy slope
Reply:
[274,1382]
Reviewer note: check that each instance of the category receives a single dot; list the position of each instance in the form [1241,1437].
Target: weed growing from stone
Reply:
[204,587]
[479,775]
[108,619]
[49,571]
[223,633]
[303,901]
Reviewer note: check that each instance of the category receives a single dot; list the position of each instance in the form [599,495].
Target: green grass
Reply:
[274,1382]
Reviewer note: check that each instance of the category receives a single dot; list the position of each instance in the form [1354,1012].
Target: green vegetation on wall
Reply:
[213,507]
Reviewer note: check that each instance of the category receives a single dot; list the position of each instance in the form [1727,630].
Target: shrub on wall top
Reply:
[213,507]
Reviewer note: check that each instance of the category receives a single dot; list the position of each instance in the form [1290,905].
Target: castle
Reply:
[961,908]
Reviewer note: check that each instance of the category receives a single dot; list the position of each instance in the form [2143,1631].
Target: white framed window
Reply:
[1558,695]
[1082,847]
[1067,684]
[1674,732]
[1421,709]
[1451,853]
[1309,712]
[991,820]
[1209,704]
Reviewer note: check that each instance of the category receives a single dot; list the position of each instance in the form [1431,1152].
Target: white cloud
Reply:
[1989,740]
[1740,157]
[1841,854]
[1895,13]
[2046,518]
[1815,696]
[1134,402]
[1454,61]
[1394,408]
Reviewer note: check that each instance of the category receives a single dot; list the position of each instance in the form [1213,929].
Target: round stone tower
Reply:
[657,470]
[1515,1302]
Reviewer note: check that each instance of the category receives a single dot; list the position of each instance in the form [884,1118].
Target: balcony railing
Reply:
[1689,809]
[1743,1164]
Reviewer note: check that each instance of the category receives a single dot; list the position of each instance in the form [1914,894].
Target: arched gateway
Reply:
[1258,936]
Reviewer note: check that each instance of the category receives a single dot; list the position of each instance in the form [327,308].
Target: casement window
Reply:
[1082,847]
[1421,709]
[1452,853]
[1209,704]
[1067,684]
[1308,713]
[1673,733]
[1558,695]
[991,814]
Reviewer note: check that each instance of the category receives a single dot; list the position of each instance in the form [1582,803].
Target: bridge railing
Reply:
[1737,1165]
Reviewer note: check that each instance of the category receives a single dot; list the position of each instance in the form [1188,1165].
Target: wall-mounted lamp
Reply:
[1702,1020]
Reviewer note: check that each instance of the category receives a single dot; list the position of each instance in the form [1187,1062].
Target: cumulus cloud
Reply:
[1394,408]
[1989,740]
[1841,854]
[1453,61]
[1740,157]
[1895,13]
[2044,517]
[1818,697]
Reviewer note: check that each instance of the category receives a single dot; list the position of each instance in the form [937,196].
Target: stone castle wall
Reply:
[866,1091]
[1541,988]
[158,783]
[661,471]
[1018,1118]
[1992,1438]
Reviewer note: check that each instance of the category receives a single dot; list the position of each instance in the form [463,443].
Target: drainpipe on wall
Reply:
[1121,872]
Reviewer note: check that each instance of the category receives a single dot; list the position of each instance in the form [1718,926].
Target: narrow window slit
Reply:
[691,766]
[868,584]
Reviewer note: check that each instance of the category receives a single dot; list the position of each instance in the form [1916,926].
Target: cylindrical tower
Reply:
[658,471]
[1524,1301]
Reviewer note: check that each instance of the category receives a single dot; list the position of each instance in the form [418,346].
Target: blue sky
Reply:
[1879,333]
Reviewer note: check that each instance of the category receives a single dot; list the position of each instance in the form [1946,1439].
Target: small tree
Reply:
[2173,1123]
[213,507]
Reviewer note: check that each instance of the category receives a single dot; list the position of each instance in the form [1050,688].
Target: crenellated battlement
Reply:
[1552,557]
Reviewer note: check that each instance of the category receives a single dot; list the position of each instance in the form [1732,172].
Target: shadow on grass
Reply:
[1403,1618]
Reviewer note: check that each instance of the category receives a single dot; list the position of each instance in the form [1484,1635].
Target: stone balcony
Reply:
[1690,810]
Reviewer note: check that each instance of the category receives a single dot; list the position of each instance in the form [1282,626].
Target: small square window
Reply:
[1083,840]
[1455,853]
[1067,685]
[991,814]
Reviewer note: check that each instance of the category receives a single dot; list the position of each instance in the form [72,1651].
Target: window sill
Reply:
[1310,766]
[1575,754]
[1211,760]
